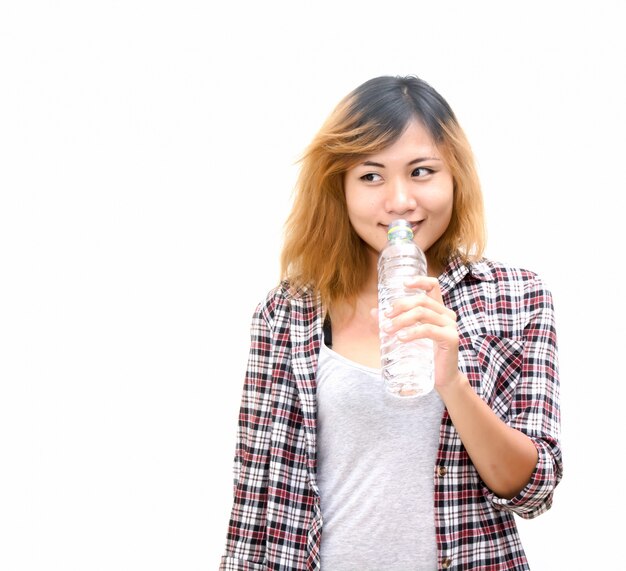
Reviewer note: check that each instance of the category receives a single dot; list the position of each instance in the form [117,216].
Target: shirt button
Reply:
[442,471]
[446,563]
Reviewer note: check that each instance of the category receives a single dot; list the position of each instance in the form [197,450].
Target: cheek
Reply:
[441,205]
[446,199]
[350,197]
[359,204]
[350,205]
[448,206]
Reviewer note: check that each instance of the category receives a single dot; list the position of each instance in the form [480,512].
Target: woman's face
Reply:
[407,180]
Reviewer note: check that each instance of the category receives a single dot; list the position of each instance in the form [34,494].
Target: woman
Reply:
[332,471]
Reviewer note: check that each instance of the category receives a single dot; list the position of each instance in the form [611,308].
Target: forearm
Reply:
[503,456]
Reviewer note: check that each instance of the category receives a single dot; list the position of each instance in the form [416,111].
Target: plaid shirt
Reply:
[507,350]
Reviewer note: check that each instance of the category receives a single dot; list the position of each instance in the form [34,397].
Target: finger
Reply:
[429,285]
[445,337]
[416,300]
[417,315]
[419,300]
[426,283]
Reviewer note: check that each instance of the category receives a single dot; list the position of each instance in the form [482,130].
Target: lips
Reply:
[415,225]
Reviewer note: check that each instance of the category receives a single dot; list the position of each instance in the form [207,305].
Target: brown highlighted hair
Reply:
[321,249]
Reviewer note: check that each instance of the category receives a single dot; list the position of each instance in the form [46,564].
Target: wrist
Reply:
[455,387]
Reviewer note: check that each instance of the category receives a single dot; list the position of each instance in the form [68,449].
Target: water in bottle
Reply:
[407,367]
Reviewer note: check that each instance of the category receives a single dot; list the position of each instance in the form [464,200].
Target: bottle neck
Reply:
[397,239]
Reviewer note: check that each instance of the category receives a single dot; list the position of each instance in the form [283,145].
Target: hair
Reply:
[321,249]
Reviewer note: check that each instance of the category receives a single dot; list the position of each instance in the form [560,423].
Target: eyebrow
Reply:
[413,162]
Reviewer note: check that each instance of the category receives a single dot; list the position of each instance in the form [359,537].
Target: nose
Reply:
[399,199]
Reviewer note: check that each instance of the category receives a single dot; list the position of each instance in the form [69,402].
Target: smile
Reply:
[415,224]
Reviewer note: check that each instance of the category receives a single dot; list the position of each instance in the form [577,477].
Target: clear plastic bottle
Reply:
[407,367]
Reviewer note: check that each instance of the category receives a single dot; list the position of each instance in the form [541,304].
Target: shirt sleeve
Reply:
[535,408]
[245,543]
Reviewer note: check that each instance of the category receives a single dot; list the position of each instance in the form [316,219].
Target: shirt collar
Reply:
[456,270]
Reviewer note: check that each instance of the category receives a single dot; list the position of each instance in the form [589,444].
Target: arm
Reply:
[245,544]
[519,460]
[504,457]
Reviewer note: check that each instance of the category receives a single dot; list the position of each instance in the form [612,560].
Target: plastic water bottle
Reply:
[407,367]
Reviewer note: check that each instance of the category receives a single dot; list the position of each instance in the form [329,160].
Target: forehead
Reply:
[416,134]
[415,140]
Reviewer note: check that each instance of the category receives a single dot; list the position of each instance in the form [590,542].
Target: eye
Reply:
[421,172]
[371,177]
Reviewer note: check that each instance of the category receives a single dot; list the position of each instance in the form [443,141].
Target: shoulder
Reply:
[279,300]
[285,292]
[512,282]
[504,274]
[501,299]
[500,272]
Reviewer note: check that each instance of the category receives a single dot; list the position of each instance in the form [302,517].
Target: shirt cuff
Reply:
[536,497]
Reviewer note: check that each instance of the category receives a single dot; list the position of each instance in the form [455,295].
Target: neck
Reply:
[435,269]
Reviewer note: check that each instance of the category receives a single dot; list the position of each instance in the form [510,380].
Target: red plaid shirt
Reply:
[507,350]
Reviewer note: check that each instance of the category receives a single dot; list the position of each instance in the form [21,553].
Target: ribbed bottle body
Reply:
[407,367]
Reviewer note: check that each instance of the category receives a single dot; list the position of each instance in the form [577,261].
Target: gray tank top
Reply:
[375,470]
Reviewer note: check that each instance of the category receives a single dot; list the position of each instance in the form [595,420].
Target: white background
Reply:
[147,155]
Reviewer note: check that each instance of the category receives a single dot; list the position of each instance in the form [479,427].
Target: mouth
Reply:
[415,225]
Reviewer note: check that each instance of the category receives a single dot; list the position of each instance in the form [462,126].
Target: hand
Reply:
[425,316]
